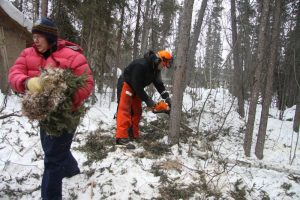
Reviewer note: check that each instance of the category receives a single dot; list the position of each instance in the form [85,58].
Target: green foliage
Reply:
[239,192]
[286,187]
[64,117]
[264,195]
[96,147]
[168,10]
[64,19]
[288,73]
[213,51]
[174,191]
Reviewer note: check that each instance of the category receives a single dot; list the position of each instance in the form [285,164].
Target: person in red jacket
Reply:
[137,75]
[49,51]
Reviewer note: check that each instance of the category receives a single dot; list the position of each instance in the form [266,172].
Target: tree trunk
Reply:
[259,148]
[246,44]
[238,71]
[36,9]
[3,63]
[146,28]
[18,4]
[180,73]
[117,65]
[44,8]
[104,52]
[57,7]
[297,115]
[194,42]
[296,66]
[137,31]
[257,76]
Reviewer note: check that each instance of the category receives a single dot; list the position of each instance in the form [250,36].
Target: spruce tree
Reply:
[213,51]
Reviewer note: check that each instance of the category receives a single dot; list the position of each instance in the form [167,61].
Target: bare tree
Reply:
[44,8]
[195,41]
[137,31]
[296,63]
[4,65]
[259,148]
[238,71]
[297,114]
[36,9]
[146,29]
[257,76]
[119,40]
[18,4]
[180,73]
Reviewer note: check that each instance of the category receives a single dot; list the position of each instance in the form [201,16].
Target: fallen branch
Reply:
[14,114]
[3,104]
[202,109]
[263,165]
[249,163]
[228,112]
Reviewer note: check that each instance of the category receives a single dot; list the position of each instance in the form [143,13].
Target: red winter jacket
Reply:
[67,55]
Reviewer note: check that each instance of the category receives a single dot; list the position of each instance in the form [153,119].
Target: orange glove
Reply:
[160,107]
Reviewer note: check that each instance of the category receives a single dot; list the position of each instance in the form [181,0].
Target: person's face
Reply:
[160,66]
[40,42]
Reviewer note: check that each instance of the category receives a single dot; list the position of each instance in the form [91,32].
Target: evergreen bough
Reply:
[53,106]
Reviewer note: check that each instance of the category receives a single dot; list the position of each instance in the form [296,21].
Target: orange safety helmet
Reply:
[166,58]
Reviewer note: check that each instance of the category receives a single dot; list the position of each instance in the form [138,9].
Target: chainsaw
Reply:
[161,107]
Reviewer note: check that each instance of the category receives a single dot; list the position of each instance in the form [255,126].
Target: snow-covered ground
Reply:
[209,162]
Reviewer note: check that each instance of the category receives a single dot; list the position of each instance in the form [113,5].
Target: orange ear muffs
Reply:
[165,57]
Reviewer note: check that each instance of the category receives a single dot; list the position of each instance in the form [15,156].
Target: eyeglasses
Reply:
[37,37]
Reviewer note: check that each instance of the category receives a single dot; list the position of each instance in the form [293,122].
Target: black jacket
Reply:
[141,73]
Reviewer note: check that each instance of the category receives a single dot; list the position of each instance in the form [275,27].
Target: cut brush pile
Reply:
[53,106]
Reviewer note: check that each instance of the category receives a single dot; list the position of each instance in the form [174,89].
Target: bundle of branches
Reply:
[53,106]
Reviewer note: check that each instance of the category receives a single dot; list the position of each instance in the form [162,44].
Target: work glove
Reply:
[165,94]
[34,85]
[168,101]
[160,107]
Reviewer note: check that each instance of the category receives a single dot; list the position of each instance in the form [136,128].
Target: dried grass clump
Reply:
[36,106]
[53,106]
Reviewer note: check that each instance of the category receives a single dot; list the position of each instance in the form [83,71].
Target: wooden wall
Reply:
[13,39]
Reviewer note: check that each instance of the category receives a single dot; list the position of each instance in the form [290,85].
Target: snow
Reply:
[15,14]
[142,174]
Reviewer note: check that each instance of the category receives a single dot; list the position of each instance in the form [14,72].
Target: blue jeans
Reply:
[58,163]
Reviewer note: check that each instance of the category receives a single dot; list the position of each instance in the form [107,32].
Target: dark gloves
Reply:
[165,94]
[150,103]
[168,101]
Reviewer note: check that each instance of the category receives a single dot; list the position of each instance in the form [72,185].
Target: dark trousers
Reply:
[58,163]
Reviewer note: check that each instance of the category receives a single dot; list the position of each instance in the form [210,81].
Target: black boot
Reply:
[125,142]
